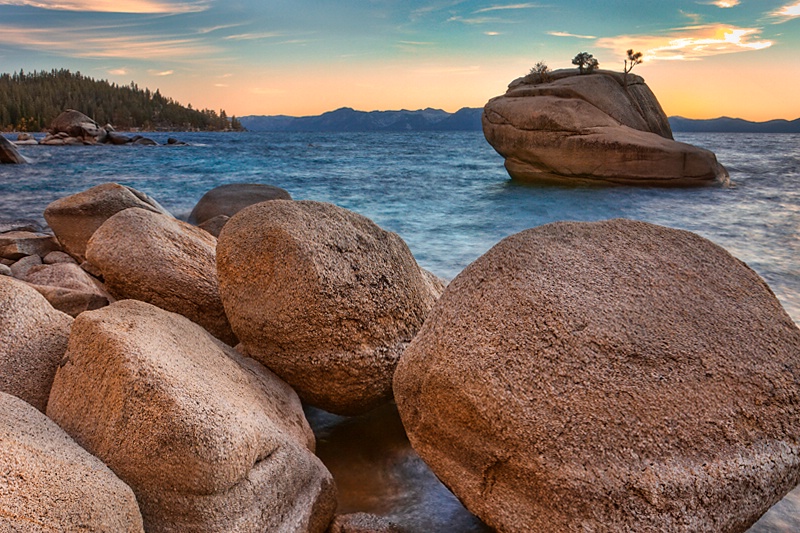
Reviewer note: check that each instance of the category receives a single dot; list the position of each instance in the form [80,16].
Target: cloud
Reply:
[118,71]
[565,34]
[724,4]
[787,12]
[478,20]
[492,33]
[692,43]
[117,6]
[415,43]
[502,8]
[253,36]
[161,73]
[105,43]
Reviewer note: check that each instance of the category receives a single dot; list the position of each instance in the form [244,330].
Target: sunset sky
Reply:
[703,59]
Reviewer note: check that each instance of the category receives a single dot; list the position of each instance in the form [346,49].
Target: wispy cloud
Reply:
[478,20]
[117,6]
[162,72]
[118,71]
[565,34]
[253,36]
[787,12]
[492,33]
[505,7]
[691,43]
[416,43]
[107,43]
[724,4]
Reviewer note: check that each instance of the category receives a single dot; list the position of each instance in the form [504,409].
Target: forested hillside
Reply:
[30,101]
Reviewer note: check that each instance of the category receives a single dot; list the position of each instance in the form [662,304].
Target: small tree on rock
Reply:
[634,58]
[541,72]
[586,62]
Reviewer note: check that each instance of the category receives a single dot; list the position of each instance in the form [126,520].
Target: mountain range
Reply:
[469,119]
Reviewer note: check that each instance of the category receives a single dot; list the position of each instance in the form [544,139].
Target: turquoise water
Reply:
[446,194]
[449,197]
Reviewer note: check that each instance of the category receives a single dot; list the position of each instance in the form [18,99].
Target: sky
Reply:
[703,58]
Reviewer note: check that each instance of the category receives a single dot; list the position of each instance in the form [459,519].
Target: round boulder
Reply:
[75,218]
[322,296]
[609,376]
[208,440]
[159,259]
[33,339]
[49,483]
[230,199]
[9,153]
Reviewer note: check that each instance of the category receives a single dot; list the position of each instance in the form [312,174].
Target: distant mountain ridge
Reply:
[469,119]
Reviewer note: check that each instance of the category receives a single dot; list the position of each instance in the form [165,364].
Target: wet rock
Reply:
[323,297]
[143,141]
[33,339]
[49,483]
[607,376]
[208,440]
[75,218]
[592,129]
[118,138]
[9,153]
[230,199]
[158,259]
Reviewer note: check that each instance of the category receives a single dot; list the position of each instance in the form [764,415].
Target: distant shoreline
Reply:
[469,119]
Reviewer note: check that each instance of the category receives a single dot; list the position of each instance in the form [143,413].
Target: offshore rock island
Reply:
[603,127]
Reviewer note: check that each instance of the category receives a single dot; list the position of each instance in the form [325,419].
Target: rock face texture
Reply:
[323,297]
[611,376]
[229,199]
[9,152]
[208,440]
[75,218]
[158,259]
[592,128]
[49,483]
[68,287]
[33,339]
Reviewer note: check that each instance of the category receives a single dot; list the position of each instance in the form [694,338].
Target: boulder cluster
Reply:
[579,376]
[600,128]
[73,128]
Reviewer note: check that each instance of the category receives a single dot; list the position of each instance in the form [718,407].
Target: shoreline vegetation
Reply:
[30,101]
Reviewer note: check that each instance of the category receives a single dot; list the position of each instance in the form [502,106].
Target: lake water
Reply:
[449,197]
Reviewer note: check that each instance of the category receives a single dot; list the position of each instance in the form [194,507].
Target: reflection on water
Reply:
[377,472]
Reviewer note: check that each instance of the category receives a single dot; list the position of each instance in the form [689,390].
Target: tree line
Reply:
[30,101]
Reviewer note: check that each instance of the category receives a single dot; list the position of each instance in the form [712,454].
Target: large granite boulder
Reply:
[33,339]
[49,483]
[610,376]
[594,128]
[78,126]
[75,218]
[229,199]
[208,440]
[9,153]
[17,244]
[322,296]
[159,259]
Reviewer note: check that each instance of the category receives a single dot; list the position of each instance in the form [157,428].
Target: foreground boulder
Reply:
[611,376]
[33,339]
[158,259]
[75,218]
[68,287]
[594,128]
[9,153]
[323,297]
[208,440]
[229,199]
[49,483]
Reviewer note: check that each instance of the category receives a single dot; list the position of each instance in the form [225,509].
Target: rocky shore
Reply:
[606,376]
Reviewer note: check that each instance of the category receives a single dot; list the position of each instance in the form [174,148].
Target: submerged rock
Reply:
[33,339]
[159,259]
[208,440]
[49,483]
[593,128]
[612,376]
[323,297]
[230,199]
